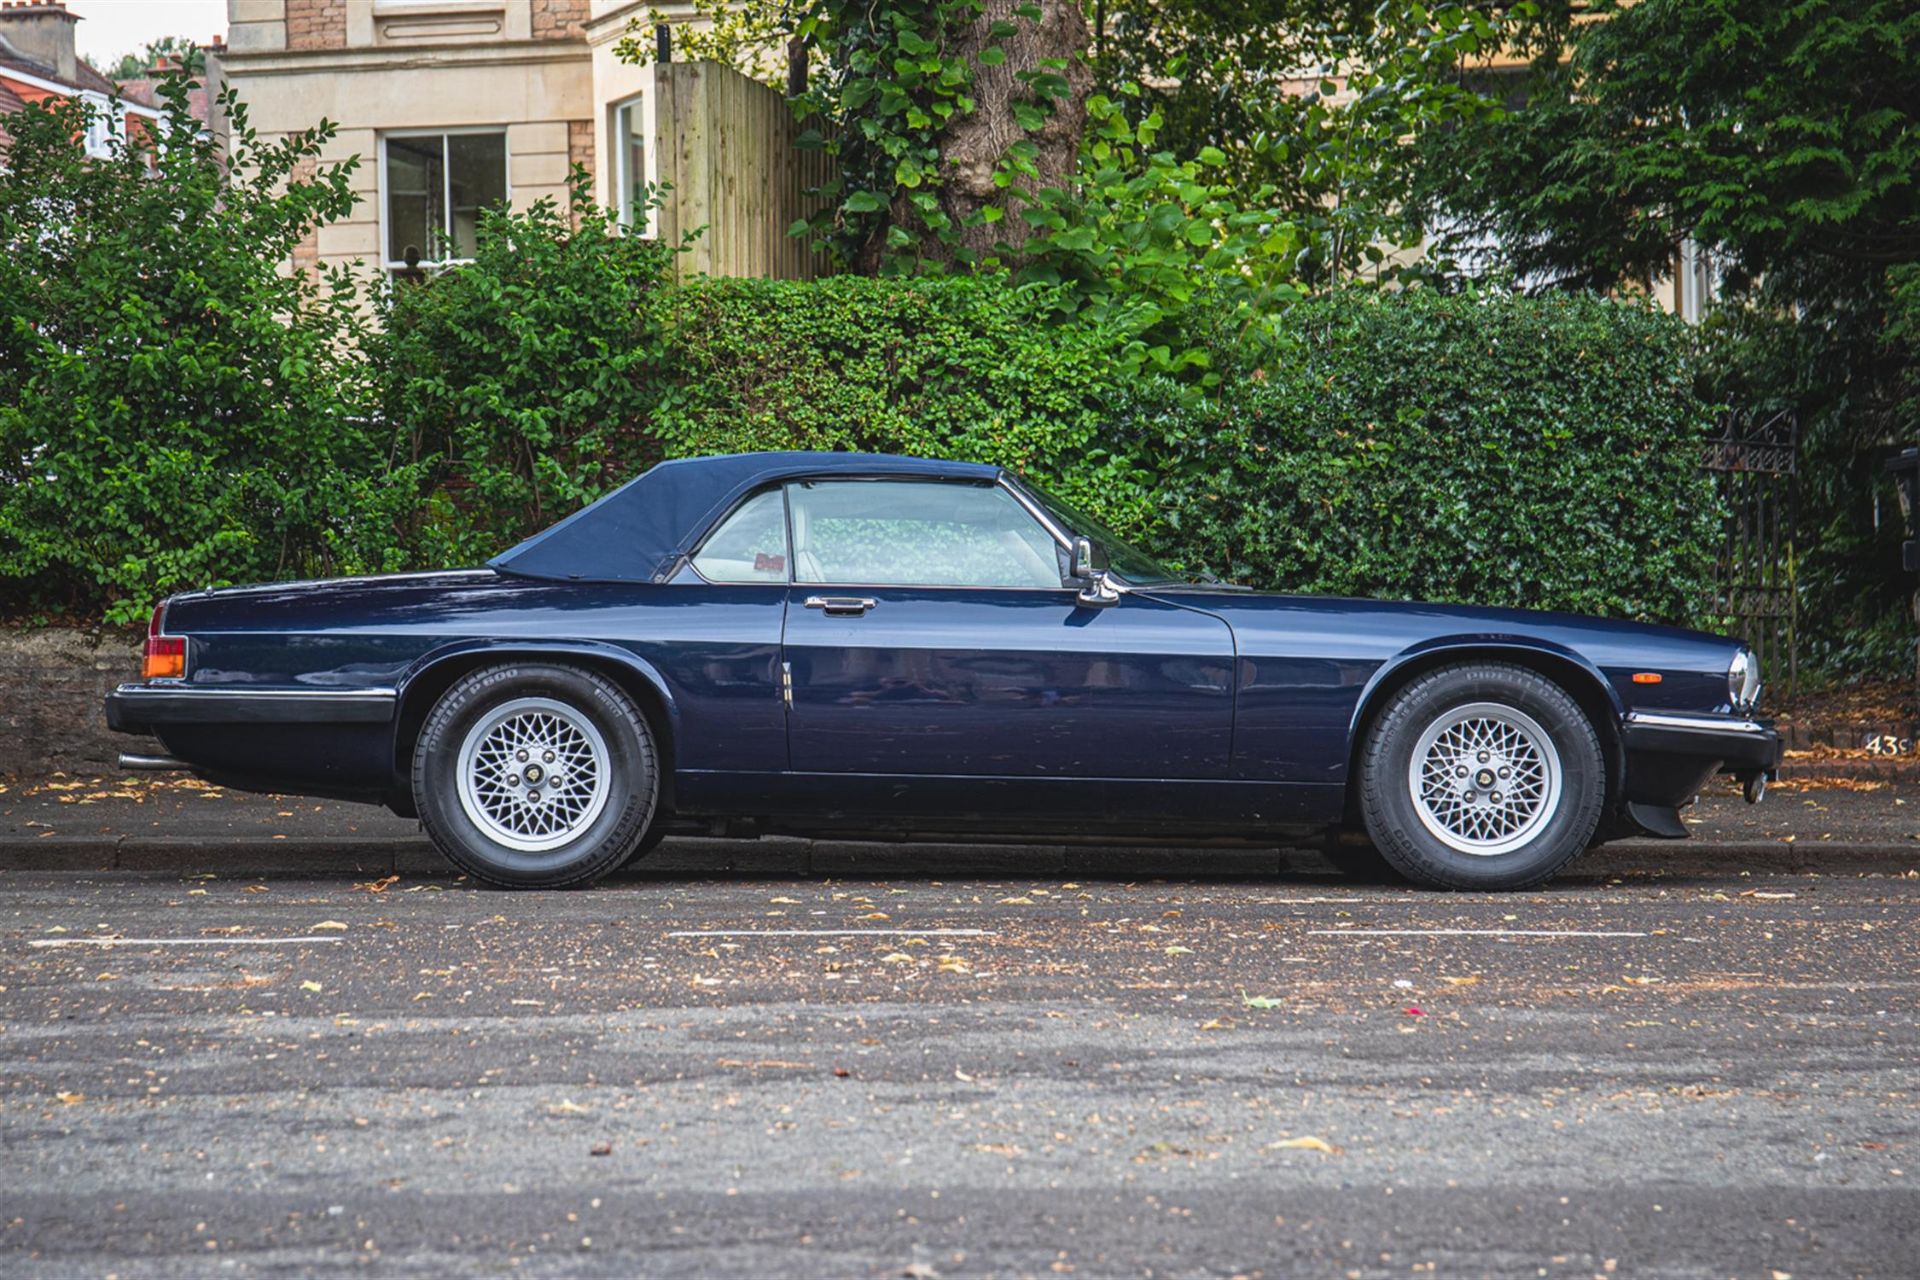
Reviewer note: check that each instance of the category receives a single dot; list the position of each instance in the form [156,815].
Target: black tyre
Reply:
[1481,776]
[536,775]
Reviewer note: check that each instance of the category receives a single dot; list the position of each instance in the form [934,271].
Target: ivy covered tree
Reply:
[1158,151]
[1783,138]
[1317,103]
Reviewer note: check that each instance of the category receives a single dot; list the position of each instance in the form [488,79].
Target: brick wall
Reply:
[306,254]
[580,144]
[53,685]
[559,19]
[317,24]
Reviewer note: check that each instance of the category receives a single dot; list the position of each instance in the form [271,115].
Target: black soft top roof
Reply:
[639,532]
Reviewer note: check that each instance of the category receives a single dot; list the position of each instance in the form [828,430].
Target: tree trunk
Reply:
[972,146]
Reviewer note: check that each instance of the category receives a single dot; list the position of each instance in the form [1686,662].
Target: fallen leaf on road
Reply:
[896,957]
[377,886]
[779,1063]
[600,1149]
[1217,1024]
[1308,1143]
[1638,982]
[953,964]
[1179,951]
[567,1107]
[310,985]
[841,1073]
[958,1074]
[1756,893]
[335,926]
[1258,1002]
[1461,982]
[1016,902]
[791,902]
[1412,1012]
[69,1099]
[226,929]
[255,888]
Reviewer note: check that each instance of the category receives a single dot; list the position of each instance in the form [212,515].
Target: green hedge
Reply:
[1493,449]
[1474,448]
[174,409]
[1542,453]
[972,369]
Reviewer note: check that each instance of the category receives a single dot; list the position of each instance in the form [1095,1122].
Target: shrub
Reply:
[174,411]
[1479,448]
[970,368]
[520,383]
[1542,453]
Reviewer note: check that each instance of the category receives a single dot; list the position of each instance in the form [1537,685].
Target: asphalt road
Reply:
[928,1063]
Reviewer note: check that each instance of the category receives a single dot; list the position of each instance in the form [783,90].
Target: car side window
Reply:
[750,545]
[917,533]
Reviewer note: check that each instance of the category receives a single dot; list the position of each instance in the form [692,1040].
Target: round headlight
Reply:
[1743,680]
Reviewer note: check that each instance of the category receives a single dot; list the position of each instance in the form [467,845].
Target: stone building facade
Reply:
[450,105]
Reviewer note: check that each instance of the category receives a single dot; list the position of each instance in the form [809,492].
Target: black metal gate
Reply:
[1755,462]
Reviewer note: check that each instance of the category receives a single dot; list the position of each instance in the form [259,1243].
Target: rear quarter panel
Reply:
[713,651]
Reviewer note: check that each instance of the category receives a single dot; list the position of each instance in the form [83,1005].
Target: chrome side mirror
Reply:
[1095,592]
[1082,564]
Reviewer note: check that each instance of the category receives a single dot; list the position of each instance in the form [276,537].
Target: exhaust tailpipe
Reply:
[152,764]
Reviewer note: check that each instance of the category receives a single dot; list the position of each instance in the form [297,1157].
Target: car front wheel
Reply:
[536,775]
[1482,776]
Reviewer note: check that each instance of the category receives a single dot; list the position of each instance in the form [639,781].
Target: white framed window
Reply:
[1699,281]
[432,189]
[102,123]
[629,133]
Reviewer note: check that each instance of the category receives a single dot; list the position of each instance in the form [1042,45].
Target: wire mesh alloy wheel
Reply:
[534,773]
[1485,778]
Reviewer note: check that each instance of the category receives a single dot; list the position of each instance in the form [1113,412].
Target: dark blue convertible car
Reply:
[857,645]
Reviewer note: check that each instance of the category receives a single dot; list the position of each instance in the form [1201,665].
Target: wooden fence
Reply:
[725,143]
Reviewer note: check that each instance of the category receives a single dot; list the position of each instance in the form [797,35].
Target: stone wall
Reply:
[316,24]
[53,685]
[559,19]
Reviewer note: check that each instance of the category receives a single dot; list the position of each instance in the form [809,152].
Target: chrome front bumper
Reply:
[1741,745]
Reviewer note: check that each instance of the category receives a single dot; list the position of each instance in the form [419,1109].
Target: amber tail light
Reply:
[166,656]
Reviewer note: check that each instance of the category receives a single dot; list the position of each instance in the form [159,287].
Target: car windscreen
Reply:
[1110,551]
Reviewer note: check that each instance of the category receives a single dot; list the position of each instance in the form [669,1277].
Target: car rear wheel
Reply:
[536,775]
[1482,776]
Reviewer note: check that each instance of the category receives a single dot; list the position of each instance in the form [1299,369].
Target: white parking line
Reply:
[1470,933]
[831,933]
[176,942]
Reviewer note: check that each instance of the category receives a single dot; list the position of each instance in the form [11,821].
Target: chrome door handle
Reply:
[842,606]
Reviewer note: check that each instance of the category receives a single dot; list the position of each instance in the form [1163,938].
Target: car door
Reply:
[929,633]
